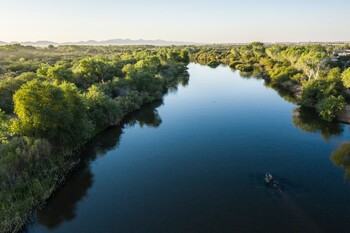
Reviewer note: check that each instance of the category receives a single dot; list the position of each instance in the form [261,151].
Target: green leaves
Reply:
[58,73]
[346,78]
[4,127]
[95,69]
[324,95]
[9,87]
[102,110]
[329,106]
[50,111]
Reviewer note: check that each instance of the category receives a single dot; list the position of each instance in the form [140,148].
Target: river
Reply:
[196,162]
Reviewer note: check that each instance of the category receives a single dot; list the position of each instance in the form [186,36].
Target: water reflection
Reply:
[341,158]
[249,75]
[62,207]
[182,80]
[308,121]
[148,116]
[283,92]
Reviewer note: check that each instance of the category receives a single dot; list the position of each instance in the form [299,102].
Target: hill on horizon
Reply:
[157,42]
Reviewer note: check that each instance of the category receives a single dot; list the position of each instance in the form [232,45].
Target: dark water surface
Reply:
[196,163]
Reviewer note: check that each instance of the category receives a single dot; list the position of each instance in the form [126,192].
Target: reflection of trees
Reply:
[308,120]
[283,92]
[147,116]
[341,158]
[181,79]
[184,79]
[62,206]
[256,73]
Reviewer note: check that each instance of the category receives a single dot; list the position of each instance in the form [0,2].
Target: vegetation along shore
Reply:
[55,99]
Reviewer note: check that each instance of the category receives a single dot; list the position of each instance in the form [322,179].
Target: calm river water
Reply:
[196,163]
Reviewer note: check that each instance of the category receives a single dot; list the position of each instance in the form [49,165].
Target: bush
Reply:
[234,64]
[9,87]
[213,64]
[318,89]
[346,78]
[329,106]
[245,67]
[49,111]
[102,110]
[4,127]
[21,154]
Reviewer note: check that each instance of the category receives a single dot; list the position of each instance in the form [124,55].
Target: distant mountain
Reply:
[38,43]
[129,42]
[44,43]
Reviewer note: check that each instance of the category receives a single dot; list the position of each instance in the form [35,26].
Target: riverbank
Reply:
[323,78]
[62,106]
[194,150]
[61,170]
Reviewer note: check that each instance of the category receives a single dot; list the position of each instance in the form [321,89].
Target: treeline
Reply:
[316,74]
[53,100]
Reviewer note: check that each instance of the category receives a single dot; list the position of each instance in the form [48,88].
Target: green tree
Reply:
[50,111]
[95,69]
[4,127]
[313,63]
[318,89]
[145,81]
[9,87]
[58,73]
[150,65]
[329,106]
[102,110]
[293,53]
[346,78]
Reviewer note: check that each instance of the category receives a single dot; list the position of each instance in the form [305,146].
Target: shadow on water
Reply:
[305,120]
[182,80]
[62,207]
[341,158]
[308,121]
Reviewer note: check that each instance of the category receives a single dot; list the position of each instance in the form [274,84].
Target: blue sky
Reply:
[214,21]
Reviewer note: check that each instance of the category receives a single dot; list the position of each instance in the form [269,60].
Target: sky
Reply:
[214,21]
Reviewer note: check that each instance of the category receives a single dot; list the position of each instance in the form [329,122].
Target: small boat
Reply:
[270,181]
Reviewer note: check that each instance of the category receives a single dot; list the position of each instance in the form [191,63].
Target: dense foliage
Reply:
[53,100]
[314,73]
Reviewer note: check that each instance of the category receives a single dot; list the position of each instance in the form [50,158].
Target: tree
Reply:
[150,65]
[95,69]
[58,73]
[145,81]
[312,63]
[9,87]
[102,110]
[21,155]
[275,51]
[345,76]
[4,126]
[49,111]
[329,106]
[184,55]
[293,53]
[318,89]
